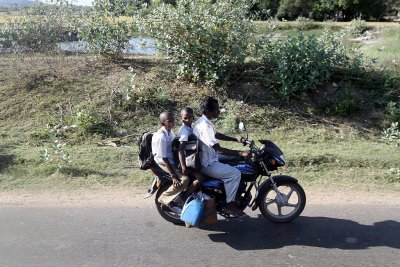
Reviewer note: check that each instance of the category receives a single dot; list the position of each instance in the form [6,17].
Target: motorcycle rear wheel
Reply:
[285,209]
[169,216]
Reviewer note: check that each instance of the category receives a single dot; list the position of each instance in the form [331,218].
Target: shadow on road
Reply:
[254,234]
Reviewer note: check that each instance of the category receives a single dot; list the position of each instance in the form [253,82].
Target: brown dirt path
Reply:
[134,197]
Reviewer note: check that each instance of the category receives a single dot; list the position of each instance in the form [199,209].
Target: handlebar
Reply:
[246,141]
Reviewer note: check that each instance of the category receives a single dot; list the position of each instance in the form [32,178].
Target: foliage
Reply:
[290,9]
[303,23]
[229,117]
[105,33]
[268,5]
[391,135]
[357,27]
[39,28]
[328,9]
[298,65]
[137,96]
[55,153]
[85,120]
[341,106]
[203,39]
[393,111]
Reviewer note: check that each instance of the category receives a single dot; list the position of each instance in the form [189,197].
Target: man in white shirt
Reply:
[161,146]
[205,131]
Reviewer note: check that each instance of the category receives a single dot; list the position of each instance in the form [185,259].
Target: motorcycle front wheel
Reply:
[167,214]
[285,205]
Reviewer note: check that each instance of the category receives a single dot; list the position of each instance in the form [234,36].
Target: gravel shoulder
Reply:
[134,197]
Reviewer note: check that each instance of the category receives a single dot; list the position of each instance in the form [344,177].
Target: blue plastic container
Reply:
[192,211]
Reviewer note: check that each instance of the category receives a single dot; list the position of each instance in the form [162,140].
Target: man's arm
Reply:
[229,152]
[224,137]
[181,154]
[175,179]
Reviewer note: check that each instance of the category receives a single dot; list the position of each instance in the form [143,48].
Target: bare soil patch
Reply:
[135,197]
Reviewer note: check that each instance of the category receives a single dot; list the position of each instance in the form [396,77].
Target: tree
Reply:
[290,9]
[270,5]
[377,8]
[325,9]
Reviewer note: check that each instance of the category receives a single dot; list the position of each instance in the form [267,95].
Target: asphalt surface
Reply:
[135,235]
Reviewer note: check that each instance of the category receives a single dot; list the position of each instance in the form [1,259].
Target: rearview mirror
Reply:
[242,127]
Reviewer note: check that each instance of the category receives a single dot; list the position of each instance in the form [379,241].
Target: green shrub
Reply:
[393,111]
[391,135]
[357,27]
[229,117]
[105,32]
[204,39]
[137,96]
[343,106]
[294,67]
[39,28]
[55,153]
[303,24]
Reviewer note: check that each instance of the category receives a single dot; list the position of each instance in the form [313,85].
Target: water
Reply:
[136,46]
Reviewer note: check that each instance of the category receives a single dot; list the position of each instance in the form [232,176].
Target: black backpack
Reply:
[145,157]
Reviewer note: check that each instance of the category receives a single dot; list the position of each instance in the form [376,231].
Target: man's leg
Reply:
[195,185]
[169,195]
[228,174]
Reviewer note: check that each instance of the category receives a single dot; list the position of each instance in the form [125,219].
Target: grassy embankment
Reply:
[322,151]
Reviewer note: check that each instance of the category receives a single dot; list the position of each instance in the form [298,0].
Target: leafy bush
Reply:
[343,106]
[357,27]
[393,111]
[296,66]
[55,153]
[137,96]
[303,23]
[104,31]
[392,134]
[204,39]
[230,117]
[39,28]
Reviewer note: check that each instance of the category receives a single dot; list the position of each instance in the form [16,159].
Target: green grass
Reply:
[385,47]
[91,166]
[44,89]
[336,157]
[322,156]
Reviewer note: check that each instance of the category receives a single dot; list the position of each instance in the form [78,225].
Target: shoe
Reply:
[179,201]
[174,207]
[232,210]
[171,207]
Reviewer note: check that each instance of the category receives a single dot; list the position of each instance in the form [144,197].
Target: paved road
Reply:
[135,235]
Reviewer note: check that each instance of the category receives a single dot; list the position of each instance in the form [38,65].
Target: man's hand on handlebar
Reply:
[240,139]
[244,154]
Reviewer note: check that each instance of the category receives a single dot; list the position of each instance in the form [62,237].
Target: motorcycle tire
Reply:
[169,216]
[265,202]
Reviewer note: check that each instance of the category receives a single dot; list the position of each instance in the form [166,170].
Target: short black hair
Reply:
[187,110]
[207,104]
[165,116]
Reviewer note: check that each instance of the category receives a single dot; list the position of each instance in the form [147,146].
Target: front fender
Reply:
[277,179]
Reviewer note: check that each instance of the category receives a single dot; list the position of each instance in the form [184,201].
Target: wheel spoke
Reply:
[292,205]
[270,202]
[290,193]
[279,210]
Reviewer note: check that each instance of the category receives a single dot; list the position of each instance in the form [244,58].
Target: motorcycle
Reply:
[280,198]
